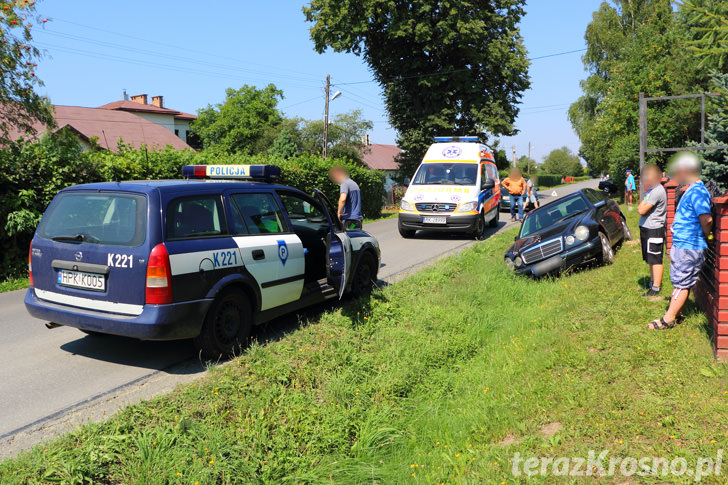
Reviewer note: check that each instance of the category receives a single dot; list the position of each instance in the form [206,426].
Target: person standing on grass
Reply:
[349,207]
[531,194]
[653,217]
[629,187]
[516,187]
[692,226]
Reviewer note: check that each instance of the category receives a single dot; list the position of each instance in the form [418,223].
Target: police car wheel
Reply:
[227,325]
[366,273]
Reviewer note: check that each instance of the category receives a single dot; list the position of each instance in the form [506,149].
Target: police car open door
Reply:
[338,246]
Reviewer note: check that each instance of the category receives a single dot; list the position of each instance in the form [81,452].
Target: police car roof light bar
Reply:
[463,139]
[266,173]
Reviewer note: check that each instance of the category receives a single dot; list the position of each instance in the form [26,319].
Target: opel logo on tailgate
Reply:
[78,255]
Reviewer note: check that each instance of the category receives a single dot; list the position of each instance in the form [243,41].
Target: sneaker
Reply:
[651,293]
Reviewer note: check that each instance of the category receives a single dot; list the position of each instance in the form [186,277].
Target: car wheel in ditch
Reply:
[607,251]
[365,276]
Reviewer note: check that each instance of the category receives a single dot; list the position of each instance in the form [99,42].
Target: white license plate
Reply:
[434,220]
[77,279]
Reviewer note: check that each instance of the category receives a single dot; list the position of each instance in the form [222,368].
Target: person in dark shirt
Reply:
[349,206]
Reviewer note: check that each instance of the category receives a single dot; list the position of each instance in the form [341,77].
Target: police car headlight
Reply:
[510,264]
[582,233]
[518,261]
[467,207]
[570,240]
[406,206]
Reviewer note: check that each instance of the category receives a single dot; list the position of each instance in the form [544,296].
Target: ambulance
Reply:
[455,190]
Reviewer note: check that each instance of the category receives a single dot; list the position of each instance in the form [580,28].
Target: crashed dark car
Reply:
[574,230]
[608,187]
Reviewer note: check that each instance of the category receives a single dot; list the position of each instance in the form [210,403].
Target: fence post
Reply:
[670,188]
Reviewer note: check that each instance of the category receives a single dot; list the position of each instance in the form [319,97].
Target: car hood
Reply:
[561,228]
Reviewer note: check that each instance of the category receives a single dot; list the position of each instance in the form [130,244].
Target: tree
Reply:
[344,138]
[20,106]
[635,46]
[708,20]
[446,67]
[239,124]
[715,162]
[562,161]
[526,164]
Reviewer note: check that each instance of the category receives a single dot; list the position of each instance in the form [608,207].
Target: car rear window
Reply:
[109,219]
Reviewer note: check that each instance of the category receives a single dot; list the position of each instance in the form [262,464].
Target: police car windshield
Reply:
[446,174]
[111,219]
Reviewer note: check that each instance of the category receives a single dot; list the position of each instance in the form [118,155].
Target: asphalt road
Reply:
[52,380]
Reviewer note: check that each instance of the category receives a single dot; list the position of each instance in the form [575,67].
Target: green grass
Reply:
[440,378]
[387,213]
[11,284]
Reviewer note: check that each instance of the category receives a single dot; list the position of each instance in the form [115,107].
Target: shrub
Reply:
[549,180]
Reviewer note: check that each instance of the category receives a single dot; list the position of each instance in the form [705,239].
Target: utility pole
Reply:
[529,159]
[327,89]
[515,160]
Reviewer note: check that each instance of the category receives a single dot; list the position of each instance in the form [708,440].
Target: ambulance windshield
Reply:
[442,173]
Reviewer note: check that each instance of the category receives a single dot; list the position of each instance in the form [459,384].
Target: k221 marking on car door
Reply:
[277,263]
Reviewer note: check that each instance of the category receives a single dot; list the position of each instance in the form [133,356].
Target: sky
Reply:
[190,52]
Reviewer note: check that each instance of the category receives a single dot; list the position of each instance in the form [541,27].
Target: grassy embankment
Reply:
[11,284]
[440,378]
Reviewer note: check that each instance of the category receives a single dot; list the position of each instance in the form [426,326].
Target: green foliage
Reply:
[715,162]
[632,47]
[244,122]
[286,145]
[562,161]
[446,67]
[344,138]
[429,377]
[526,164]
[708,20]
[548,180]
[32,173]
[20,106]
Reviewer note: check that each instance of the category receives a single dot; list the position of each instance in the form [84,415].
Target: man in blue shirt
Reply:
[629,187]
[349,206]
[692,226]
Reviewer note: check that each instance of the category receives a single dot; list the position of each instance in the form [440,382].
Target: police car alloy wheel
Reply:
[227,325]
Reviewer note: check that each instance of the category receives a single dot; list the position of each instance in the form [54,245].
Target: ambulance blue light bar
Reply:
[246,172]
[463,139]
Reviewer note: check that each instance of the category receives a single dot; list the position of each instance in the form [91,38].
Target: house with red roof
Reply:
[134,122]
[175,121]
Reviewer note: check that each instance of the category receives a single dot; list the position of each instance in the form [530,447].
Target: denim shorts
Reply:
[685,265]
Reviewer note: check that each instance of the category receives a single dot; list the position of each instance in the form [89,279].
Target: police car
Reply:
[201,258]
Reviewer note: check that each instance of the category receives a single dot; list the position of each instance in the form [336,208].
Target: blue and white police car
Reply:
[202,258]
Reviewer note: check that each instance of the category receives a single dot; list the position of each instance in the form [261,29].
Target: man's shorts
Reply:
[685,265]
[653,244]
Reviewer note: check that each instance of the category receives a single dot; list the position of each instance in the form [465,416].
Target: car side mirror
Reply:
[488,184]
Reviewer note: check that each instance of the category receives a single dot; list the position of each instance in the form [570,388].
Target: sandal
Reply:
[661,324]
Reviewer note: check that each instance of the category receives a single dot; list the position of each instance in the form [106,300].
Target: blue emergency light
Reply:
[463,139]
[246,172]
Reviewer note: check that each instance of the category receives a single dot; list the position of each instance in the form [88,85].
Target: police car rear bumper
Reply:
[413,222]
[155,322]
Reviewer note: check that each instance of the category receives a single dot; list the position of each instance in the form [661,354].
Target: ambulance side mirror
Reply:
[488,184]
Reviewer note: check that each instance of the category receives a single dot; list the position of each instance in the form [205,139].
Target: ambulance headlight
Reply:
[467,207]
[581,233]
[406,206]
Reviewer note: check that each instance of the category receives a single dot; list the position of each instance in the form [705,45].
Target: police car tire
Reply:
[227,325]
[364,277]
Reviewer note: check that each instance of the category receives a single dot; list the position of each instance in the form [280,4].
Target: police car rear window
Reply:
[110,219]
[199,216]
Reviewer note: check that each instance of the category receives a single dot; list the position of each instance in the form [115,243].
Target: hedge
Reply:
[32,173]
[548,180]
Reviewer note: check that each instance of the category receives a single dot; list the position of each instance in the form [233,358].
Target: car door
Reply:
[605,213]
[338,246]
[270,251]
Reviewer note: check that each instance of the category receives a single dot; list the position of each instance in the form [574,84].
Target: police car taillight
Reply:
[246,172]
[159,277]
[30,265]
